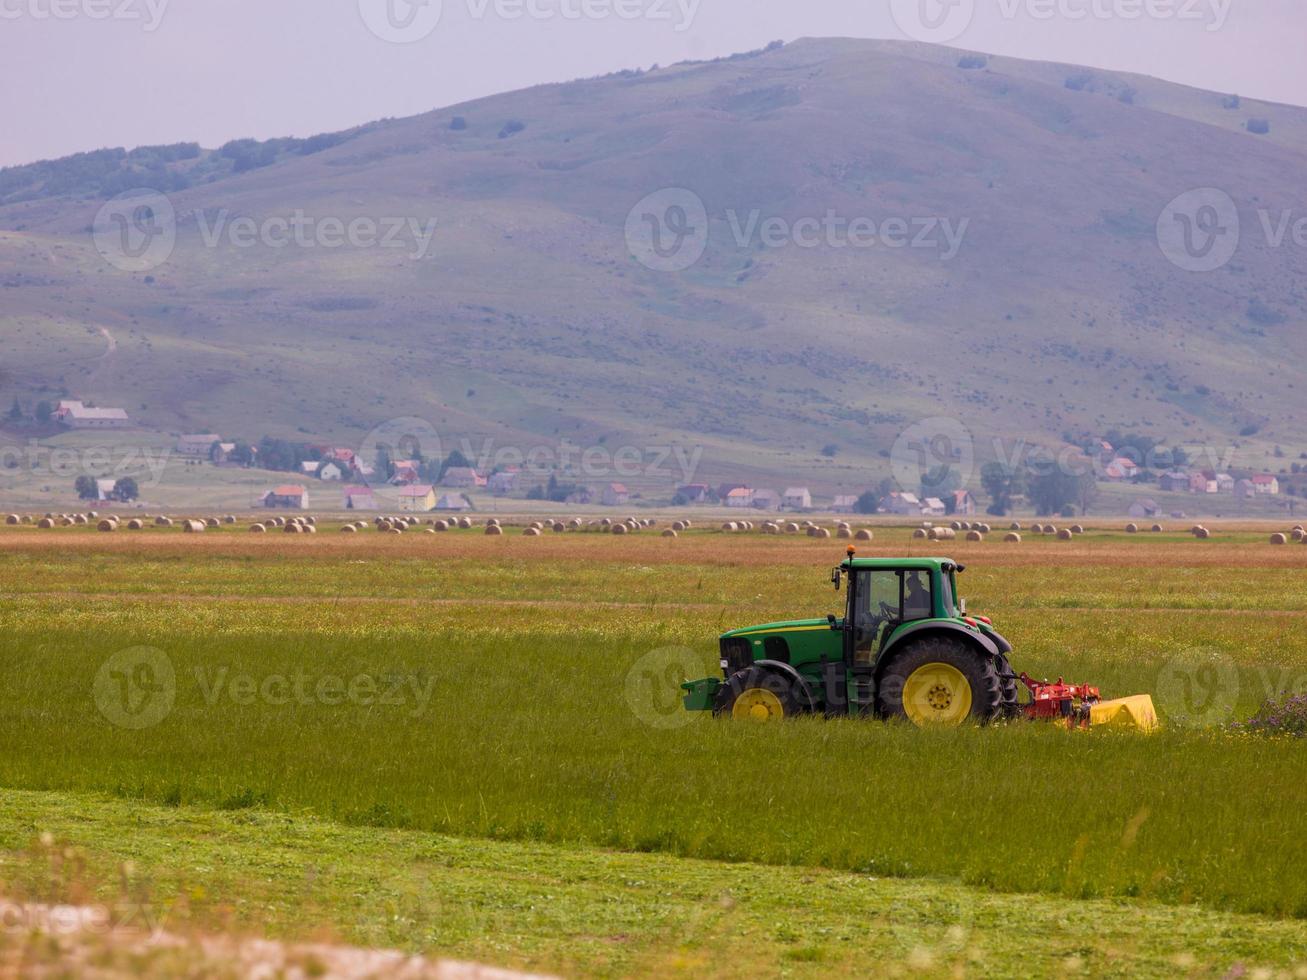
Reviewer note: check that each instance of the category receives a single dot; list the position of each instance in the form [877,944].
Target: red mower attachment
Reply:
[1081,705]
[1050,702]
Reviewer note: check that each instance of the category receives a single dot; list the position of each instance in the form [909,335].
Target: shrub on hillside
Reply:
[1259,127]
[973,61]
[512,127]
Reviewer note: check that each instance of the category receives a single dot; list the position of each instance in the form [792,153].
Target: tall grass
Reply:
[528,733]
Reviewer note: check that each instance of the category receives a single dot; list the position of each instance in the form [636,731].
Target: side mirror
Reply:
[962,606]
[835,577]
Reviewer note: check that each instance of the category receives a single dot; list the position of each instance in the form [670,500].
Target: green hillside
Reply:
[528,320]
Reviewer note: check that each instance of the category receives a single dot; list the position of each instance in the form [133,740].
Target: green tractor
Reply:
[904,648]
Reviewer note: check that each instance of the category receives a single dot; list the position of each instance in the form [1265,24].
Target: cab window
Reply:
[886,598]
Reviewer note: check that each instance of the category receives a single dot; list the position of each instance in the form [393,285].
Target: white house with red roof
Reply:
[1265,484]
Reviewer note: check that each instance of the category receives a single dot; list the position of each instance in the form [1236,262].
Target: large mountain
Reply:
[529,319]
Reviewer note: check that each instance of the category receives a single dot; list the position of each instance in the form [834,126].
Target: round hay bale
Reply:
[1065,534]
[1132,529]
[1157,529]
[1297,534]
[823,532]
[791,528]
[81,519]
[441,525]
[66,522]
[465,522]
[926,525]
[1202,534]
[135,524]
[1195,529]
[394,530]
[863,535]
[620,528]
[313,521]
[669,533]
[1014,526]
[974,535]
[1050,529]
[348,529]
[1012,537]
[192,527]
[45,523]
[229,519]
[605,522]
[1278,538]
[211,522]
[292,527]
[309,528]
[163,521]
[494,529]
[678,525]
[559,527]
[531,532]
[576,522]
[812,531]
[258,529]
[729,526]
[108,525]
[1077,529]
[920,532]
[843,532]
[13,519]
[942,534]
[956,526]
[983,528]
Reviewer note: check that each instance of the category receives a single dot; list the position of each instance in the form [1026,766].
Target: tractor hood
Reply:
[790,626]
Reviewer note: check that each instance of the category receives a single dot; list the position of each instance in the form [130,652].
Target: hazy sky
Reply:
[82,74]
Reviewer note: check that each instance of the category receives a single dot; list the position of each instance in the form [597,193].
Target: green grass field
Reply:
[499,714]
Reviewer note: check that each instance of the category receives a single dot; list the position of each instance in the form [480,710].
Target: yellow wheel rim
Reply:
[758,704]
[937,694]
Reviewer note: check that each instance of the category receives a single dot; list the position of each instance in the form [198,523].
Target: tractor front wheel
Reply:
[940,681]
[758,695]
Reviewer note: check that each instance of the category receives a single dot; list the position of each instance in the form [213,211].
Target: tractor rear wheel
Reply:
[940,681]
[758,695]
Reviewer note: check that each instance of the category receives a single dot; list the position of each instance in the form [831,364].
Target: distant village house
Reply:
[75,415]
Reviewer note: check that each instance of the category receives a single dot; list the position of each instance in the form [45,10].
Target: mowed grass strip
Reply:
[580,911]
[544,717]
